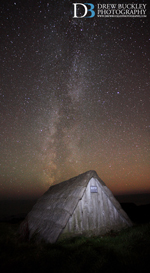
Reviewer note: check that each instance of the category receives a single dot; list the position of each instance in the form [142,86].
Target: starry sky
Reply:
[74,96]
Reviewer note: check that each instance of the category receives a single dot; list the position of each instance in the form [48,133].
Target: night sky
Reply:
[74,96]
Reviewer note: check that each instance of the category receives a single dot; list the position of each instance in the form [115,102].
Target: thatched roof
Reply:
[52,211]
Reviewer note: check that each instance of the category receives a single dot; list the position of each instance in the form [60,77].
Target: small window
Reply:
[94,189]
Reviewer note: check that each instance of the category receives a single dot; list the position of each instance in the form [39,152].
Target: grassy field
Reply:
[127,251]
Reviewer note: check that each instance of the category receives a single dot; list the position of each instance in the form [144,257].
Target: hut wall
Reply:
[94,215]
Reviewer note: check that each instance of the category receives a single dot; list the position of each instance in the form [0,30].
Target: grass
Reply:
[126,251]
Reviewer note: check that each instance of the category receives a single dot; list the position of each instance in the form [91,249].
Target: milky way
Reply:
[74,97]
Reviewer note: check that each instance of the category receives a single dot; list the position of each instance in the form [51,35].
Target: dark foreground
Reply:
[127,251]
